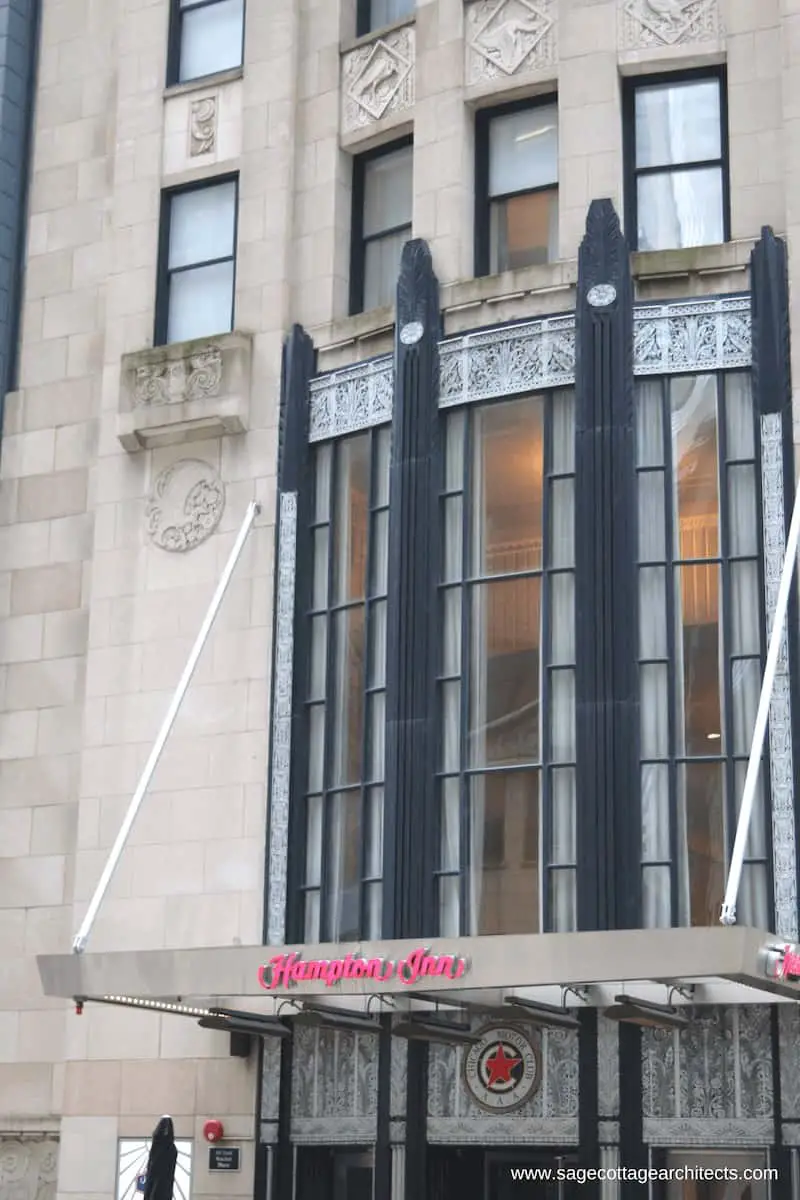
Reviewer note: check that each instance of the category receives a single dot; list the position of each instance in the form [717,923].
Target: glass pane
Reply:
[703,871]
[351,520]
[380,552]
[504,674]
[562,523]
[211,39]
[450,825]
[743,508]
[523,146]
[746,689]
[383,447]
[347,700]
[693,401]
[388,191]
[680,208]
[759,836]
[313,841]
[322,489]
[652,531]
[344,870]
[649,424]
[312,918]
[562,716]
[562,620]
[453,539]
[654,711]
[377,736]
[319,591]
[753,899]
[451,632]
[454,452]
[200,302]
[507,487]
[656,898]
[316,748]
[381,268]
[655,813]
[563,901]
[201,225]
[319,651]
[698,712]
[678,123]
[504,885]
[562,816]
[523,231]
[739,422]
[745,609]
[384,12]
[374,907]
[449,906]
[451,726]
[377,637]
[740,1187]
[652,612]
[562,424]
[374,855]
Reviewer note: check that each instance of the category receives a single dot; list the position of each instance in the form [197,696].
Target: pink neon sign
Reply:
[286,969]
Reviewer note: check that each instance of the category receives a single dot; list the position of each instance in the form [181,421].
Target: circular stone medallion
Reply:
[411,333]
[502,1070]
[601,295]
[186,505]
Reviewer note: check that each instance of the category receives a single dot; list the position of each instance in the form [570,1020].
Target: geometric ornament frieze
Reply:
[378,79]
[186,505]
[509,38]
[647,24]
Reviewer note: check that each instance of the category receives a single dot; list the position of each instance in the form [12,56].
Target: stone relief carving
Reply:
[334,1085]
[608,1066]
[648,24]
[28,1168]
[709,1132]
[399,1078]
[698,335]
[191,378]
[282,719]
[509,38]
[202,126]
[710,1080]
[378,79]
[520,358]
[186,505]
[789,1040]
[355,398]
[780,715]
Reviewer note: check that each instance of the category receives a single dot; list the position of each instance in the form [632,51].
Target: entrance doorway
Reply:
[456,1173]
[333,1173]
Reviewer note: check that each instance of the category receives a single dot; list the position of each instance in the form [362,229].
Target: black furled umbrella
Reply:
[161,1162]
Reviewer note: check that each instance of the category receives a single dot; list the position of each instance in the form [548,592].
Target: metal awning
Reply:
[720,965]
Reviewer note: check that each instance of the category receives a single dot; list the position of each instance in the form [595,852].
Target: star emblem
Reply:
[500,1067]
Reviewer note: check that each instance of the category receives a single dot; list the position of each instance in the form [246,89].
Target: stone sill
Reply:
[204,82]
[185,392]
[353,43]
[698,260]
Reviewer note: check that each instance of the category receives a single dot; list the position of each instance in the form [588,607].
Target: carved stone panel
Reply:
[186,505]
[334,1086]
[202,126]
[650,24]
[789,1038]
[354,398]
[509,38]
[28,1168]
[710,1081]
[378,79]
[174,393]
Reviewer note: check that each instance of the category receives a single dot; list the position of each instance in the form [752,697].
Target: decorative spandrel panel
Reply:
[711,1083]
[334,1086]
[519,1084]
[378,80]
[270,1089]
[28,1168]
[789,1039]
[508,39]
[658,24]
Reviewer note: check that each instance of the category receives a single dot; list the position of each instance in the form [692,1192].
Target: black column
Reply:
[411,656]
[608,804]
[632,1150]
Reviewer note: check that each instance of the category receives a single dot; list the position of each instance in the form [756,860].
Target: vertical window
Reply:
[346,691]
[207,36]
[516,174]
[507,669]
[677,156]
[198,261]
[382,205]
[375,14]
[700,629]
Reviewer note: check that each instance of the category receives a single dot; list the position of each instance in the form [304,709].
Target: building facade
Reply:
[487,304]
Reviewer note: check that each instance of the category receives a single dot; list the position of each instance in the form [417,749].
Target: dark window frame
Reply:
[175,39]
[631,172]
[164,274]
[358,242]
[483,201]
[364,23]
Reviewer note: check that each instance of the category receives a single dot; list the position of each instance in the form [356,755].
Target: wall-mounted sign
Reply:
[780,960]
[502,1070]
[286,969]
[224,1158]
[141,1183]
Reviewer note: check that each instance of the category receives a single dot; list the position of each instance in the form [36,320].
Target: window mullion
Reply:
[672,690]
[325,932]
[367,732]
[545,816]
[465,825]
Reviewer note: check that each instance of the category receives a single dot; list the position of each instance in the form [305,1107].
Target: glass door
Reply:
[353,1176]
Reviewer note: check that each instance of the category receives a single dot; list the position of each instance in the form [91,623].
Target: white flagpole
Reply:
[728,916]
[81,938]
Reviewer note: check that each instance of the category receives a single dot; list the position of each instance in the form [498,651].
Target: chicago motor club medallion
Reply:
[503,1069]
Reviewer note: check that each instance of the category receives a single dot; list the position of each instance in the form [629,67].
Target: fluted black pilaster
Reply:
[609,838]
[411,658]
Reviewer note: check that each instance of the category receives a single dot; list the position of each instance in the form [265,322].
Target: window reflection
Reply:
[697,1162]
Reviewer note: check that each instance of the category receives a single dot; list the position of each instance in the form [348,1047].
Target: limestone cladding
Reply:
[98,614]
